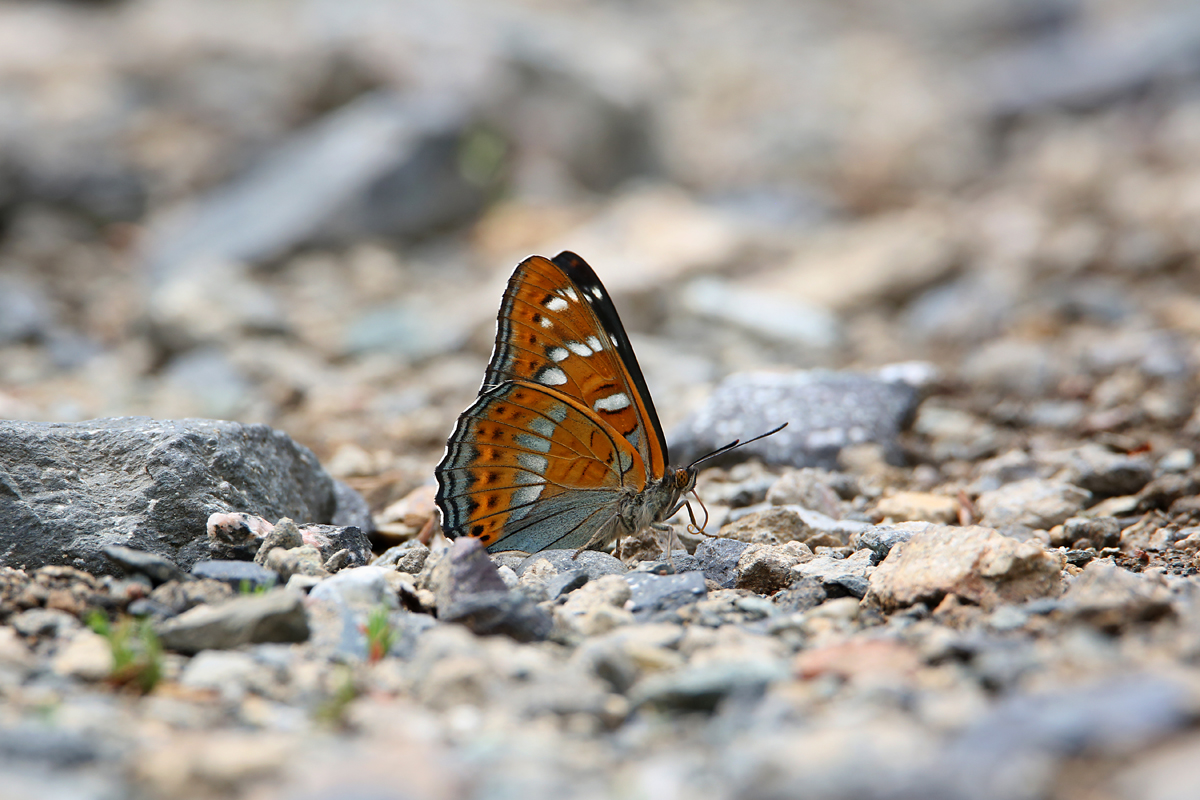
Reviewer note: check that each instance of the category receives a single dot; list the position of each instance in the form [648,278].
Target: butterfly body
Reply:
[562,448]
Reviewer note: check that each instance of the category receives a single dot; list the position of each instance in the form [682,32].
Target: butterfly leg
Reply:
[669,531]
[602,535]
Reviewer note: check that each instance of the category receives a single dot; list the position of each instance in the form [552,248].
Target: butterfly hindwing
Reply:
[557,327]
[529,467]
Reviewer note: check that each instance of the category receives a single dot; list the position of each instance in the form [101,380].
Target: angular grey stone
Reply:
[332,539]
[564,583]
[1099,470]
[138,562]
[595,563]
[179,596]
[655,594]
[409,557]
[880,539]
[803,594]
[39,622]
[825,412]
[718,560]
[465,570]
[839,576]
[681,561]
[277,616]
[285,535]
[471,592]
[67,490]
[1099,531]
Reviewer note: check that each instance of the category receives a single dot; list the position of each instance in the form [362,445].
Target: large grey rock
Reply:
[67,490]
[825,412]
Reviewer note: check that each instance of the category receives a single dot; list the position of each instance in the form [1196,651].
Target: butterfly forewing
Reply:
[558,328]
[528,468]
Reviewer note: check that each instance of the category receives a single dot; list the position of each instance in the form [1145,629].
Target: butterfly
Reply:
[562,448]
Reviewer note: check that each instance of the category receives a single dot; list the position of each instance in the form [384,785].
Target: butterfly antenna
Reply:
[736,443]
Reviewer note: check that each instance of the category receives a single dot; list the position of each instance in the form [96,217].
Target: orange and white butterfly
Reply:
[562,448]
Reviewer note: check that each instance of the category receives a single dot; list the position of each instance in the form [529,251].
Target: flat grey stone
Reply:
[655,594]
[595,563]
[138,562]
[277,616]
[409,557]
[825,411]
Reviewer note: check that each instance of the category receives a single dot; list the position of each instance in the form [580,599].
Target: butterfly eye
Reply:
[683,480]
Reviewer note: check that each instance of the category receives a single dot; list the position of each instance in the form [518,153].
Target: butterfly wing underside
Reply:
[527,468]
[558,327]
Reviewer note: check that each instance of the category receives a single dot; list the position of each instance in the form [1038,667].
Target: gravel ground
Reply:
[955,246]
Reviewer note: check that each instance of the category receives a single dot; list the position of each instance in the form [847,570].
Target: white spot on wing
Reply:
[570,293]
[551,376]
[542,426]
[556,304]
[523,500]
[532,442]
[532,462]
[596,293]
[579,349]
[557,412]
[557,354]
[594,343]
[614,402]
[546,323]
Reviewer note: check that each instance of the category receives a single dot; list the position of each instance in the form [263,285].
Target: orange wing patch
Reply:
[520,445]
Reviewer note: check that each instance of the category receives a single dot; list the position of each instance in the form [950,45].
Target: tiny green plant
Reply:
[380,634]
[332,711]
[137,654]
[246,587]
